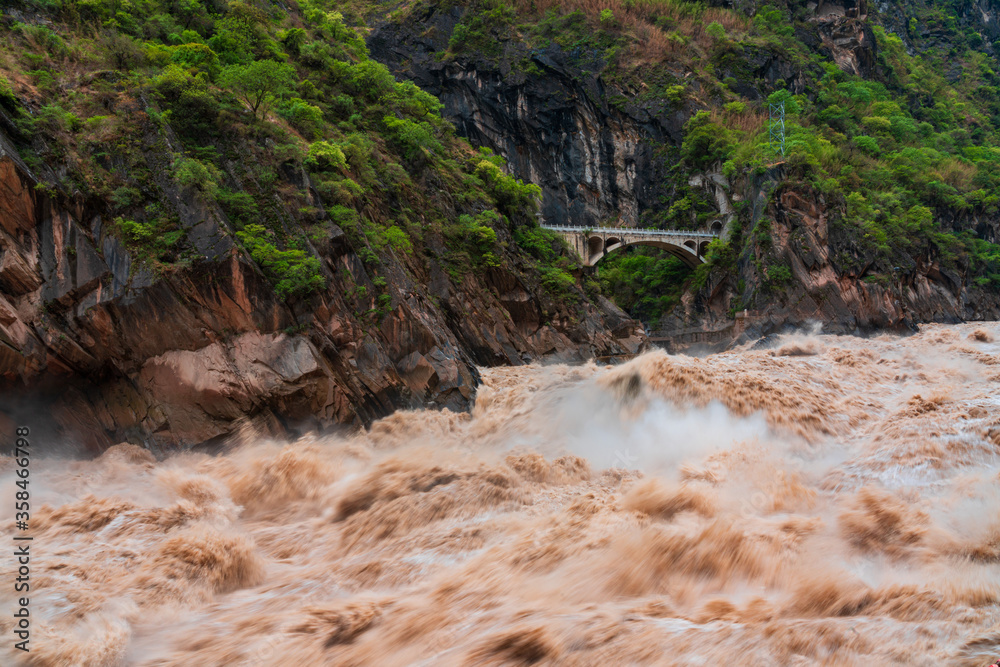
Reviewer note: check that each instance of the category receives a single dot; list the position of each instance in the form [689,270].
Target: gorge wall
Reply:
[601,152]
[598,160]
[96,349]
[606,150]
[827,287]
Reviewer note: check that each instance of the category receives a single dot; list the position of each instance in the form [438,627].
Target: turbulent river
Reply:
[830,500]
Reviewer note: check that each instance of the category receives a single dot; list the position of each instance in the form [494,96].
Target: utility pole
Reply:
[776,127]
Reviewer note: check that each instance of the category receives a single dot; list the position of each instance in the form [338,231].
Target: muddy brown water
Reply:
[829,501]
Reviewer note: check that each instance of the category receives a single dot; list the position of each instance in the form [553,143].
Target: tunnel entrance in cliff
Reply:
[646,282]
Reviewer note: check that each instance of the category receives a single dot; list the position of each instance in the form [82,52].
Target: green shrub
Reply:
[8,99]
[556,281]
[397,239]
[706,143]
[191,172]
[292,272]
[877,124]
[196,55]
[785,97]
[675,94]
[192,108]
[154,241]
[343,216]
[459,35]
[716,31]
[53,119]
[645,282]
[778,276]
[477,231]
[304,117]
[125,197]
[510,193]
[735,108]
[539,242]
[239,206]
[325,156]
[293,40]
[868,145]
[412,138]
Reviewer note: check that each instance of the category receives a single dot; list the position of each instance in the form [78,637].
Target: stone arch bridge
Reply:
[593,244]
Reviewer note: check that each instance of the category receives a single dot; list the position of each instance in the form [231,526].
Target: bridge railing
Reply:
[630,230]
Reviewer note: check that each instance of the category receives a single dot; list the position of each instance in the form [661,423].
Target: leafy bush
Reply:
[397,239]
[293,272]
[557,282]
[125,196]
[8,99]
[482,30]
[785,97]
[716,31]
[477,231]
[192,109]
[239,206]
[343,216]
[53,119]
[191,172]
[510,193]
[539,242]
[154,241]
[304,117]
[196,55]
[325,156]
[778,276]
[706,143]
[877,124]
[735,108]
[412,138]
[866,144]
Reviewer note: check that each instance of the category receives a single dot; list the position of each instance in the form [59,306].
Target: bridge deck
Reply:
[631,230]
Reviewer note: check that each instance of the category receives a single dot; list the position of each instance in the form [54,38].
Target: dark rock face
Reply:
[594,162]
[107,351]
[849,42]
[979,16]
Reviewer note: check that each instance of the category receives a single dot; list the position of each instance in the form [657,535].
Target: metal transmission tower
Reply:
[776,127]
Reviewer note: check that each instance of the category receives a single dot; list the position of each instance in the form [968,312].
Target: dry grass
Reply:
[751,121]
[957,173]
[637,18]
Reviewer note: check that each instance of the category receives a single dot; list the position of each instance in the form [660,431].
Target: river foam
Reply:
[830,500]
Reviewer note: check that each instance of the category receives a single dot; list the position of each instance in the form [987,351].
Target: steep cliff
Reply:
[596,151]
[830,282]
[603,109]
[198,280]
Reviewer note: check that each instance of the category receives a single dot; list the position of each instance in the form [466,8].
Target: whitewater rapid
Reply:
[829,500]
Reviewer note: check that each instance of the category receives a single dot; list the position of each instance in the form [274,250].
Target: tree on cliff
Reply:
[259,83]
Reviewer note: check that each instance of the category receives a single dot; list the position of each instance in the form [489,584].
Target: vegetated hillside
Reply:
[217,216]
[883,210]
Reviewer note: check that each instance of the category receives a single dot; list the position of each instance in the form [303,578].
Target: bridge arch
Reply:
[685,253]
